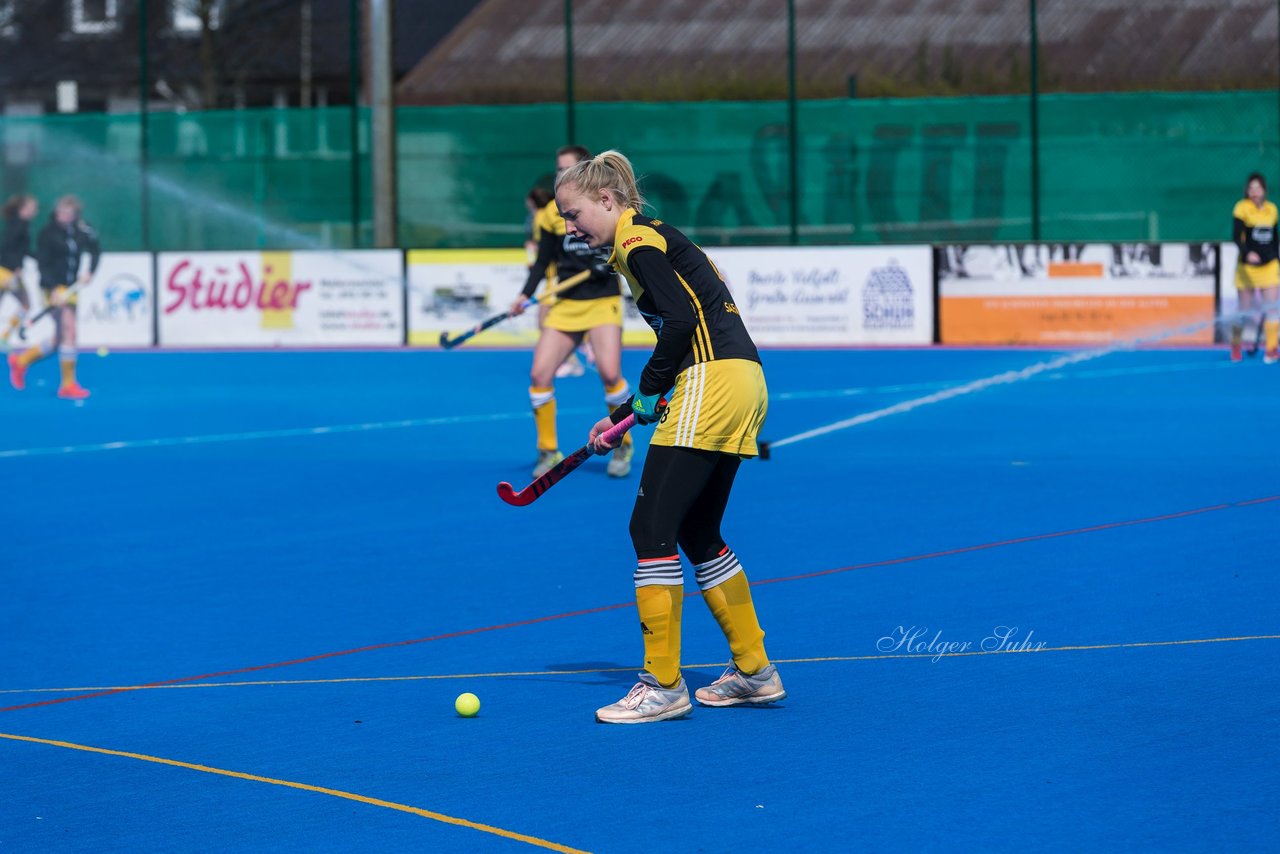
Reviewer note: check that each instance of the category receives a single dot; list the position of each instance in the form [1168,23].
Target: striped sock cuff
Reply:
[617,395]
[67,354]
[717,570]
[541,396]
[663,570]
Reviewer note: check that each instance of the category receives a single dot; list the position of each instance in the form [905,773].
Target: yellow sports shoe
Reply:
[546,462]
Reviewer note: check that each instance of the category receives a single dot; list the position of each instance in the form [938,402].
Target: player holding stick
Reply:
[59,248]
[593,308]
[712,422]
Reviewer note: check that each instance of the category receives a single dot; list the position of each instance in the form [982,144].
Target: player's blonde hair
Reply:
[70,201]
[609,171]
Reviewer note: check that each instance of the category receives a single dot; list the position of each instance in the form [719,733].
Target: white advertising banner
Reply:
[281,299]
[1228,301]
[788,296]
[114,307]
[453,290]
[831,296]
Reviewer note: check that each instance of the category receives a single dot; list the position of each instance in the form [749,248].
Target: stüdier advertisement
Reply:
[113,309]
[831,296]
[281,299]
[453,290]
[1077,293]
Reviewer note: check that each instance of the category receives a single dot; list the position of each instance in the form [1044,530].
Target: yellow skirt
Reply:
[47,293]
[579,315]
[716,406]
[1250,277]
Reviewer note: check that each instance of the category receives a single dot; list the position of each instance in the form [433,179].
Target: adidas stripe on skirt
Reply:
[716,406]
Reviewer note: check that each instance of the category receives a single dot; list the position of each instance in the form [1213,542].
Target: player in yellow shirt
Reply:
[535,201]
[592,309]
[710,425]
[1253,229]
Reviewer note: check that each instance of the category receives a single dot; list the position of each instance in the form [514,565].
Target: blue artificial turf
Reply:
[223,531]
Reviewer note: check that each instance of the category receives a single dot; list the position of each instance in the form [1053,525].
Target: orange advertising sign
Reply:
[1099,293]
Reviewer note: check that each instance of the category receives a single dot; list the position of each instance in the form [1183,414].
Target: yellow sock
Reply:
[1272,329]
[544,416]
[68,371]
[730,603]
[30,357]
[660,606]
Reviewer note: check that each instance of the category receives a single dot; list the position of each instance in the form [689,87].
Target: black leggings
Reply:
[682,496]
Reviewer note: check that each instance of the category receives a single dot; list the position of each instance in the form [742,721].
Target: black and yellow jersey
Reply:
[569,255]
[59,249]
[681,294]
[1254,230]
[17,243]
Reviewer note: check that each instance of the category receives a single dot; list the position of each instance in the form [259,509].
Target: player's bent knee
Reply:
[650,537]
[701,548]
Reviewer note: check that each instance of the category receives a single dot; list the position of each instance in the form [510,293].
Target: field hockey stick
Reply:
[449,343]
[1258,333]
[35,318]
[561,470]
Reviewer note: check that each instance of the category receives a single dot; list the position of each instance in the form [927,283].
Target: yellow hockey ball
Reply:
[103,351]
[468,705]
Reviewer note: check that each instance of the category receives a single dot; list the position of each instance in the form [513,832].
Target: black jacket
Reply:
[58,252]
[17,243]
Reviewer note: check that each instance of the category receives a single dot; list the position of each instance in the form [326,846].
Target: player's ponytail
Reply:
[609,171]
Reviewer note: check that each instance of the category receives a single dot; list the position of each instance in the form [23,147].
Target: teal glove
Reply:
[647,408]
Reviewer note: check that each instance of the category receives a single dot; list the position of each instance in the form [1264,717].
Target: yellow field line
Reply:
[377,802]
[518,673]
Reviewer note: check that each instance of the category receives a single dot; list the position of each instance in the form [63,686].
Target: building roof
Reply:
[514,50]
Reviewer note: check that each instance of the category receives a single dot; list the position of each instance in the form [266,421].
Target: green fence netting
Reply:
[1112,167]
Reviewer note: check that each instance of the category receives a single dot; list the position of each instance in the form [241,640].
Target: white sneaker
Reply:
[547,460]
[648,702]
[735,688]
[620,462]
[570,367]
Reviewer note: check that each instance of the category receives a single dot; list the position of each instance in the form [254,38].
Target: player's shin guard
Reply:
[67,361]
[614,396]
[728,595]
[544,416]
[660,600]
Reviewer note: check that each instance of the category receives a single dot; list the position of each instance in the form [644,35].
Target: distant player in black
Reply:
[62,243]
[714,415]
[15,247]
